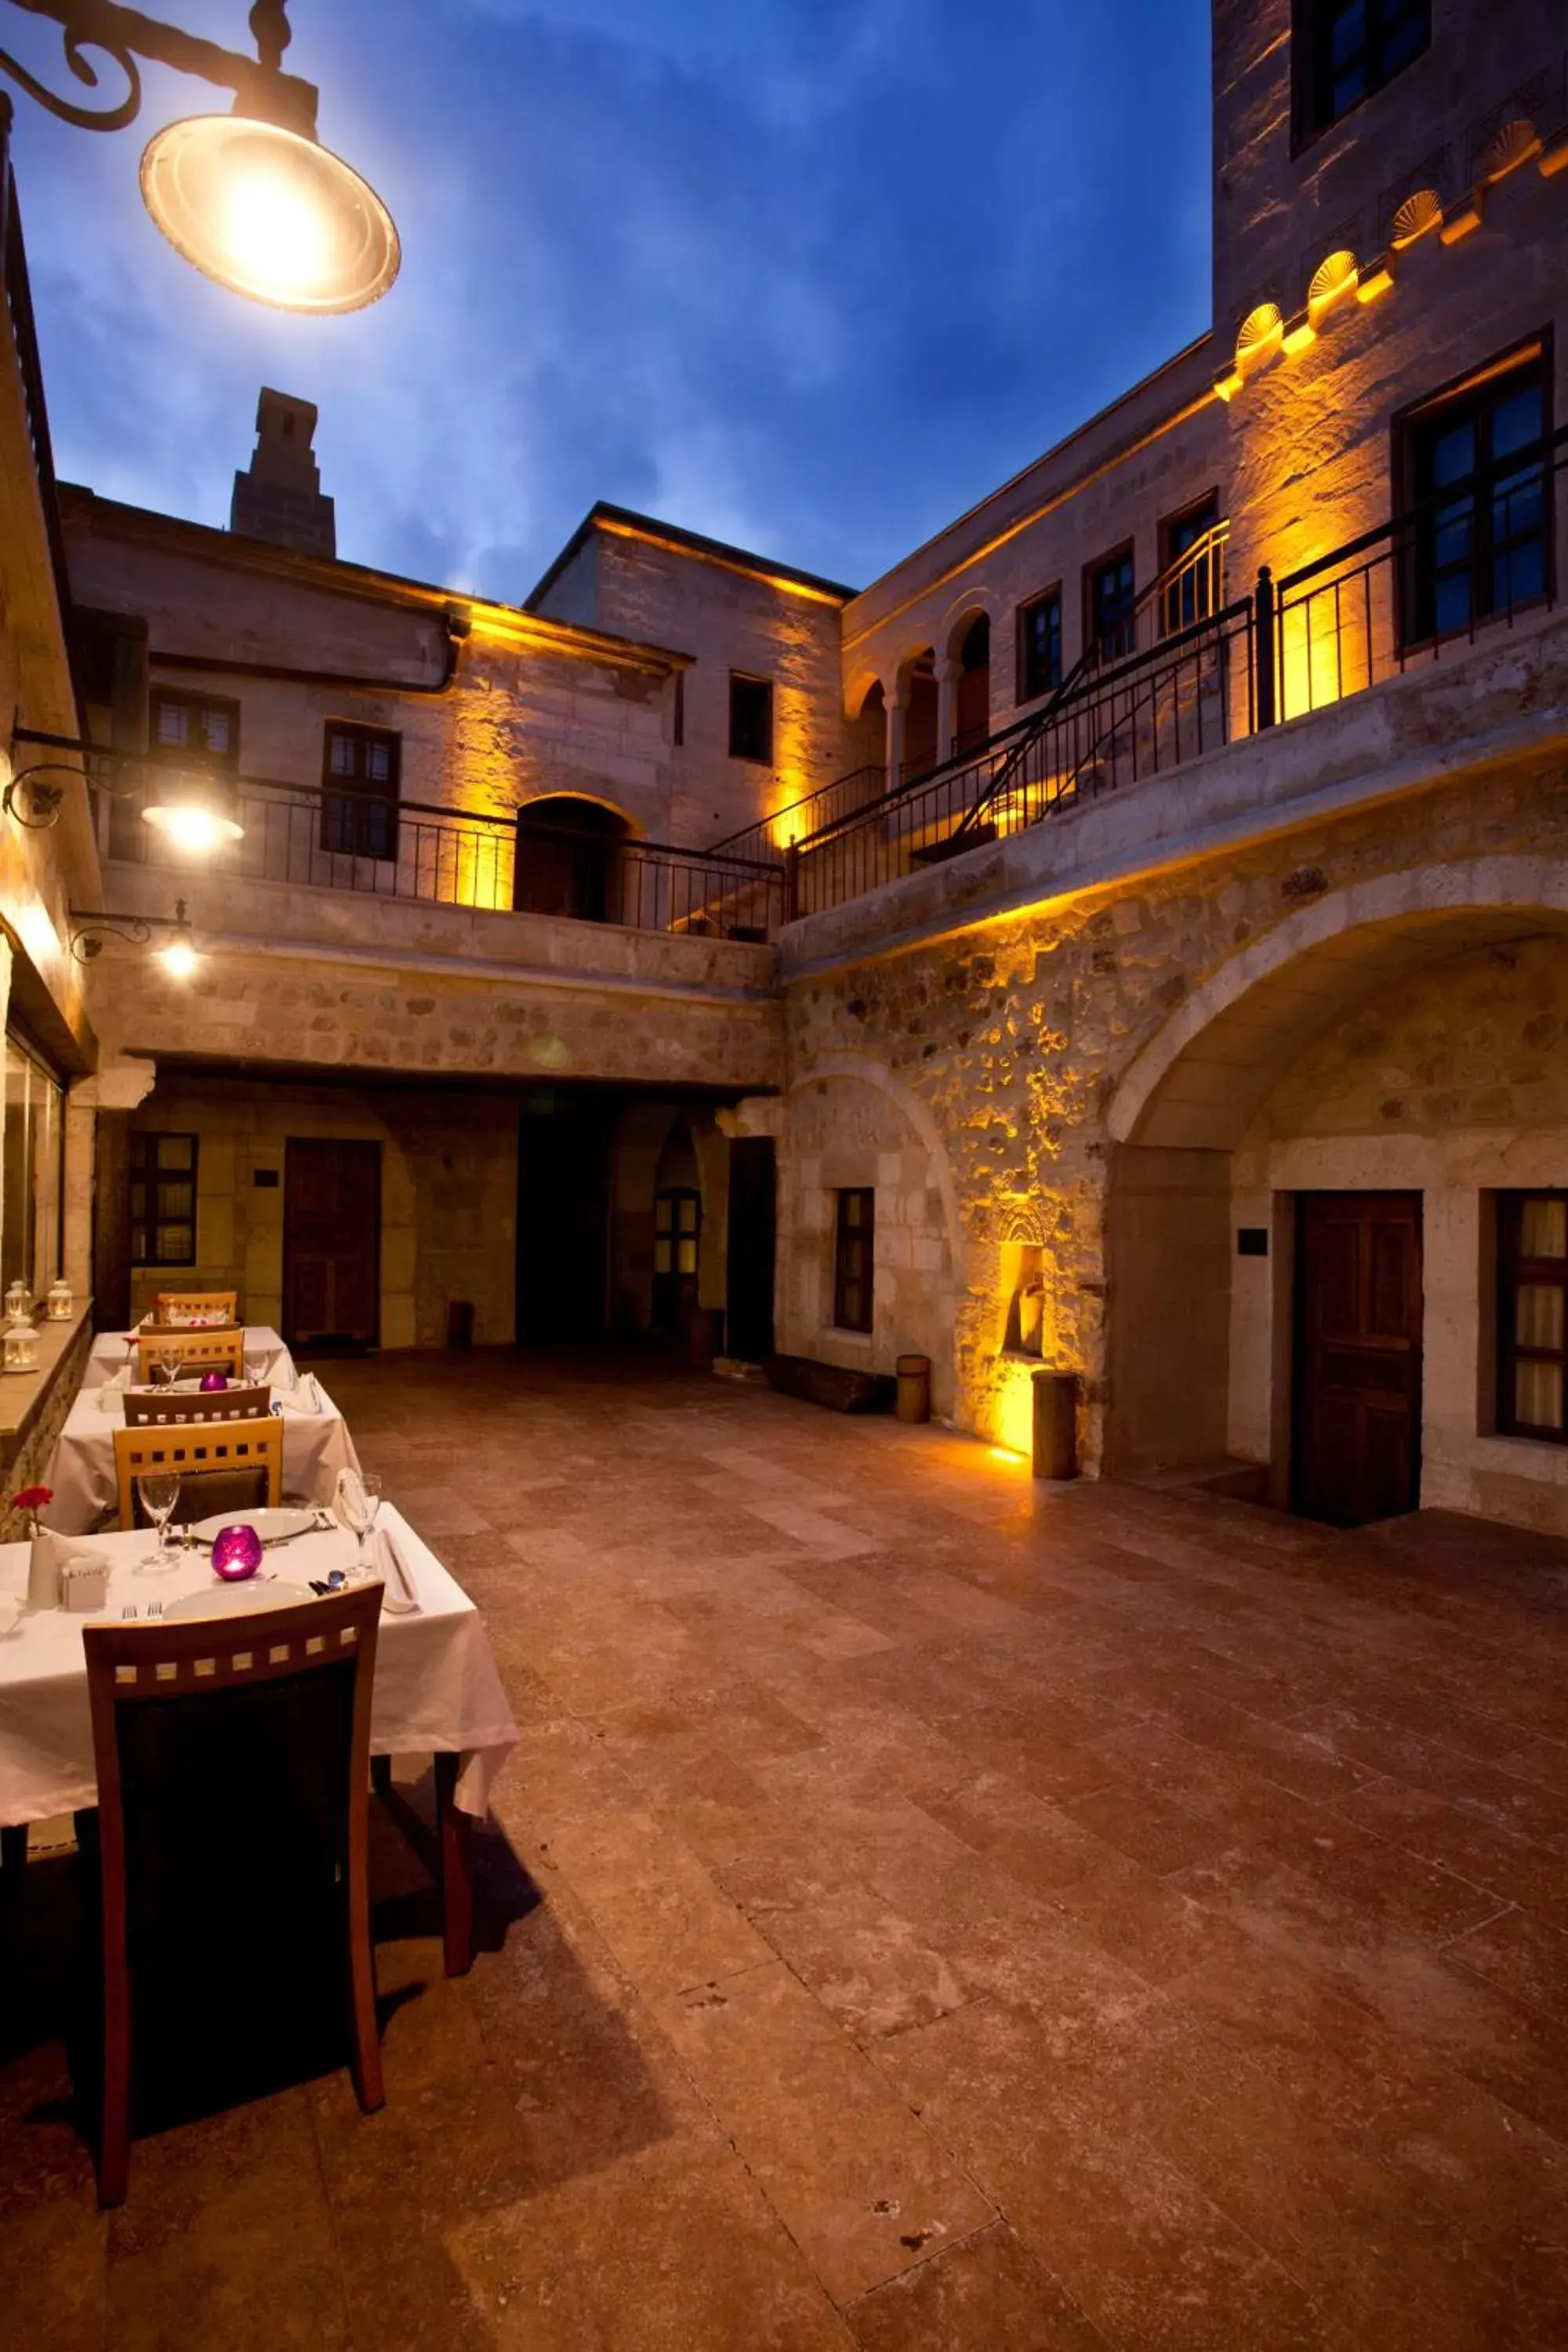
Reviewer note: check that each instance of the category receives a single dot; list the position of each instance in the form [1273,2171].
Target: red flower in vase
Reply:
[32,1498]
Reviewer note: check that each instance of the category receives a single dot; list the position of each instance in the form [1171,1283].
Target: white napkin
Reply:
[309,1394]
[53,1553]
[114,1388]
[400,1597]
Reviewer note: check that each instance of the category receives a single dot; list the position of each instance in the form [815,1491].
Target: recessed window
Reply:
[361,770]
[1040,646]
[854,1251]
[1532,1315]
[31,1170]
[1192,583]
[162,1200]
[1479,545]
[1344,50]
[750,717]
[1111,597]
[200,730]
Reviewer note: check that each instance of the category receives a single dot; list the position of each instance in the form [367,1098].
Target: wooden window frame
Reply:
[154,1178]
[1513,1268]
[1125,553]
[1308,33]
[1412,597]
[851,1270]
[196,706]
[359,800]
[1027,691]
[765,758]
[676,1197]
[1172,617]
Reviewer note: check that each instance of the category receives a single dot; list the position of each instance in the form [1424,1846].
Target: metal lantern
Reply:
[61,1301]
[20,1345]
[18,1301]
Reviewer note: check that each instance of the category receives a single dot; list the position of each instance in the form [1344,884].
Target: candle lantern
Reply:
[20,1347]
[60,1302]
[18,1301]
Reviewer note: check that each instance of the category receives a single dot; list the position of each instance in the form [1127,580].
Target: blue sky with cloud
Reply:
[813,275]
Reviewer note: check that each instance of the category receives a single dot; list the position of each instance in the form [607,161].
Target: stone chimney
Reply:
[279,499]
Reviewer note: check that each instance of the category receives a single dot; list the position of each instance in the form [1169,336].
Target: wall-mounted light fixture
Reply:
[195,808]
[170,937]
[251,198]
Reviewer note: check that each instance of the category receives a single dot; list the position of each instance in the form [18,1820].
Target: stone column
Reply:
[947,677]
[897,702]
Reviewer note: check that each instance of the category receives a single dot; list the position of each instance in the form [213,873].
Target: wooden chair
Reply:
[222,1748]
[169,1408]
[196,1302]
[199,1351]
[222,1465]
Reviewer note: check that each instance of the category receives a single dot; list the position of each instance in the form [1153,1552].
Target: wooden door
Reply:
[676,1238]
[562,1218]
[1358,1355]
[331,1242]
[752,1242]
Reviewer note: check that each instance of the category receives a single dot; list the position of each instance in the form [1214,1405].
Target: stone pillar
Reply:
[97,1210]
[897,704]
[947,677]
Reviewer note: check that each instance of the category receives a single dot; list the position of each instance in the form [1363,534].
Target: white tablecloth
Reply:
[316,1446]
[265,1354]
[436,1687]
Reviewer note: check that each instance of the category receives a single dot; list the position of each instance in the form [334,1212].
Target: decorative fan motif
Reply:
[1418,212]
[1514,144]
[1331,278]
[1261,331]
[1022,1224]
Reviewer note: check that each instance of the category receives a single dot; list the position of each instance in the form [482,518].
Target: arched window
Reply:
[567,860]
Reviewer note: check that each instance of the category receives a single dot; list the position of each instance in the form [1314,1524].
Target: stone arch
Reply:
[1198,1082]
[876,1075]
[567,858]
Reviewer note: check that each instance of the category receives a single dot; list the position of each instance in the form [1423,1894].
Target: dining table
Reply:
[437,1692]
[316,1447]
[267,1357]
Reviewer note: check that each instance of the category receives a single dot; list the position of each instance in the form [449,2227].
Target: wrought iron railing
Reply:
[301,835]
[767,840]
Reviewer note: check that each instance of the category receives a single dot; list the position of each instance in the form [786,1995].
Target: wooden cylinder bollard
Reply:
[914,1387]
[1056,1425]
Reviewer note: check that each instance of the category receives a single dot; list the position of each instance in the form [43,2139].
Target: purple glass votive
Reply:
[237,1553]
[213,1381]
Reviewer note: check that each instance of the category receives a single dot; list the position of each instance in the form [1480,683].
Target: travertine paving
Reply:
[927,1912]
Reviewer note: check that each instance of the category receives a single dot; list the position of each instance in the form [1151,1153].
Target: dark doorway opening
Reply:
[568,860]
[562,1217]
[1357,1454]
[752,1240]
[972,702]
[332,1243]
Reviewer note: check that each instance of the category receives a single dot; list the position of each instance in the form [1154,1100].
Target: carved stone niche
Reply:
[1024,1271]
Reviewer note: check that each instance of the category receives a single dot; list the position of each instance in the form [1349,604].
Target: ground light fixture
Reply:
[168,936]
[251,197]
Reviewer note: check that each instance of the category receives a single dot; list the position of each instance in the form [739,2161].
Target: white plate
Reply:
[237,1600]
[272,1527]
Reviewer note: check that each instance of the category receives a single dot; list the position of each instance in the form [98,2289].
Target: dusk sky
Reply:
[809,275]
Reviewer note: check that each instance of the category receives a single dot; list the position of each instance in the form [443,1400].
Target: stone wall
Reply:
[448,1198]
[25,1453]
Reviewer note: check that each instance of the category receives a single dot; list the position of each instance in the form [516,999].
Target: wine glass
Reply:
[159,1491]
[359,1497]
[170,1359]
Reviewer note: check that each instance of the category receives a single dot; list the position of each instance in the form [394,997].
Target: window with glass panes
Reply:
[162,1200]
[1040,646]
[750,717]
[31,1163]
[1112,600]
[853,1253]
[361,769]
[1532,1315]
[1481,539]
[193,729]
[1346,50]
[677,1228]
[1191,593]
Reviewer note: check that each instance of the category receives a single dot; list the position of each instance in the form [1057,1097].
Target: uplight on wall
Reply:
[251,198]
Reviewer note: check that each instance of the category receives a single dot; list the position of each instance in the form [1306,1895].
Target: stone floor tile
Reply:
[662,1913]
[988,2295]
[858,2183]
[54,2276]
[1518,1954]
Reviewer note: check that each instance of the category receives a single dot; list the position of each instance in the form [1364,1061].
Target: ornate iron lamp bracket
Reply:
[124,36]
[89,932]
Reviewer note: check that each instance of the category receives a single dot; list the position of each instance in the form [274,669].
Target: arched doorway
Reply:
[971,706]
[921,752]
[677,1234]
[567,858]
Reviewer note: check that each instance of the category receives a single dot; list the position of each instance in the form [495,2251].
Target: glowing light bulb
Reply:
[178,959]
[274,232]
[190,826]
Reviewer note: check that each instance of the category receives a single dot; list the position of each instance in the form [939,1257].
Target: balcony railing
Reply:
[299,834]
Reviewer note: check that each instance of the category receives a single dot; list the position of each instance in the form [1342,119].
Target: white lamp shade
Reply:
[195,810]
[270,215]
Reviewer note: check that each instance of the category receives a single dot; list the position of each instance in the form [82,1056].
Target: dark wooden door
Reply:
[752,1238]
[562,1218]
[1358,1355]
[677,1239]
[331,1242]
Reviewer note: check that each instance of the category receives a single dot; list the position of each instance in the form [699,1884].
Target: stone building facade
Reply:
[1150,888]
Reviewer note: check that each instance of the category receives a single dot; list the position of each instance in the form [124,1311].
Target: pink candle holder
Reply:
[237,1553]
[213,1381]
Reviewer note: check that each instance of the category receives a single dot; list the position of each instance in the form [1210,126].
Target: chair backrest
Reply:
[217,1304]
[165,1408]
[199,1351]
[222,1465]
